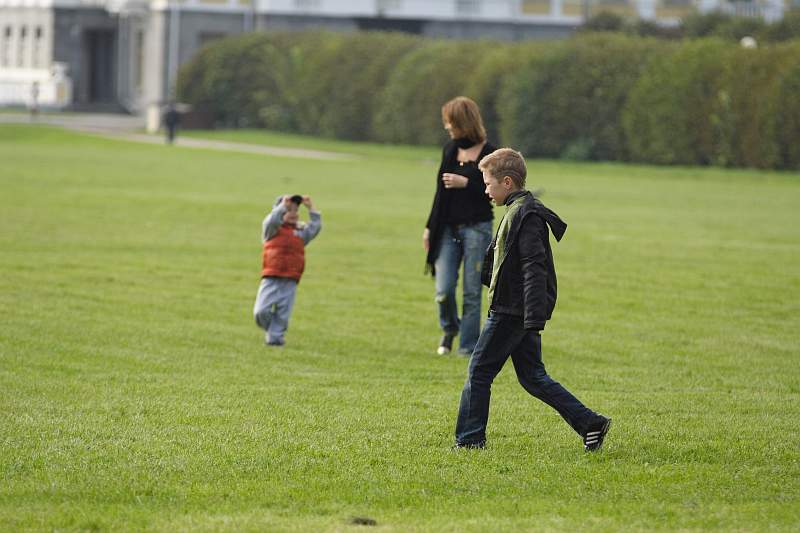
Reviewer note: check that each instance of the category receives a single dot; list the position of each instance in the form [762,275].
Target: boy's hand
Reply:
[454,181]
[426,239]
[308,203]
[286,200]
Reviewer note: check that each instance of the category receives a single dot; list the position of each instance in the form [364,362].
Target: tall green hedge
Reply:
[713,103]
[568,102]
[757,106]
[787,119]
[595,96]
[409,106]
[351,94]
[221,77]
[675,109]
[490,76]
[245,81]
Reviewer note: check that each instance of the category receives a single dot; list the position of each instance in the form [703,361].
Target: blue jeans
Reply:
[459,243]
[504,335]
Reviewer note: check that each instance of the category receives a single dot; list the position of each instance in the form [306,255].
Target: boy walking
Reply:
[283,262]
[518,269]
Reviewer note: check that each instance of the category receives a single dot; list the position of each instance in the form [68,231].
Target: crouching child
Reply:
[283,261]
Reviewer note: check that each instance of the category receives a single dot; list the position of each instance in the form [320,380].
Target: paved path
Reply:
[125,127]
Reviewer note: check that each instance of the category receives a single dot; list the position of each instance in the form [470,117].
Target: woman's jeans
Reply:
[504,336]
[459,243]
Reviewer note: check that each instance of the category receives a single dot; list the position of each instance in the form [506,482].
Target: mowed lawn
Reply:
[136,392]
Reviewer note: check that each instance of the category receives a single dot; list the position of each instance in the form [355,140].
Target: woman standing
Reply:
[459,227]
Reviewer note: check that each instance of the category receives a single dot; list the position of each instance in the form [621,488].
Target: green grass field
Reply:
[136,393]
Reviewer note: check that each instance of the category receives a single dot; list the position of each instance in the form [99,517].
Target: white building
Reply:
[124,54]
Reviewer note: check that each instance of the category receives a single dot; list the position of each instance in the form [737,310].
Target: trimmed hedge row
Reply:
[712,103]
[593,97]
[569,101]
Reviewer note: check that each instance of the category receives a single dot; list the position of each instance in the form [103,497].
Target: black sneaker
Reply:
[446,344]
[596,434]
[469,445]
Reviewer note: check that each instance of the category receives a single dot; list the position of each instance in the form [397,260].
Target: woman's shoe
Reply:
[446,344]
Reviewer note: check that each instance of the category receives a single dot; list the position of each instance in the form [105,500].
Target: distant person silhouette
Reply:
[171,120]
[34,109]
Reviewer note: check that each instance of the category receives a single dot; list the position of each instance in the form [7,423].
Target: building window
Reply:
[467,6]
[307,4]
[5,51]
[37,47]
[138,61]
[674,9]
[389,5]
[535,7]
[21,48]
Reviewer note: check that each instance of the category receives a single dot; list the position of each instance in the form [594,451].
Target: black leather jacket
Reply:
[526,284]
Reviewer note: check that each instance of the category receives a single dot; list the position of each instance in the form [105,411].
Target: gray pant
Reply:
[273,307]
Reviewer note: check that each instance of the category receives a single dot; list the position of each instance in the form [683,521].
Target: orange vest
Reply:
[284,255]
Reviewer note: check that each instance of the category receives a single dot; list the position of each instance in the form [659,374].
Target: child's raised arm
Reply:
[273,221]
[314,224]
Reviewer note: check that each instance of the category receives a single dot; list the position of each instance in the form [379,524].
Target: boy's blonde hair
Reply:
[464,116]
[505,162]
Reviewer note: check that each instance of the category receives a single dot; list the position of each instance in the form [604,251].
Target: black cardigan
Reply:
[473,204]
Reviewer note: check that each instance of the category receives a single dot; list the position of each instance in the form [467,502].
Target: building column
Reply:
[173,50]
[153,78]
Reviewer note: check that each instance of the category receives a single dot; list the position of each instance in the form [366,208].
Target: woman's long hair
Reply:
[464,116]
